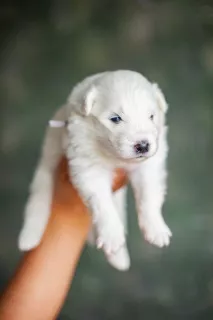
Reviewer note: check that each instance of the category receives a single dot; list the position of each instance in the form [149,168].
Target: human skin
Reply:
[40,284]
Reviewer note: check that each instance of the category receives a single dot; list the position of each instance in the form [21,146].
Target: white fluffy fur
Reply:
[95,147]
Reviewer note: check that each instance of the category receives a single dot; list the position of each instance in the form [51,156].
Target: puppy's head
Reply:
[128,114]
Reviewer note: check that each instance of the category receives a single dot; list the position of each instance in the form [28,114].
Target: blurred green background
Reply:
[46,47]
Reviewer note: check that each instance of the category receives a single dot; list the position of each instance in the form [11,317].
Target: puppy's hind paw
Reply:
[28,240]
[156,232]
[120,260]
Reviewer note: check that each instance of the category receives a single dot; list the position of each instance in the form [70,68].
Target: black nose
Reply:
[142,147]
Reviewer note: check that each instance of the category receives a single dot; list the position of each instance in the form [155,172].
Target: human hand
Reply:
[42,280]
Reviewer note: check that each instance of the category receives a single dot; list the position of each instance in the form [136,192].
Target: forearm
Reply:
[42,280]
[39,287]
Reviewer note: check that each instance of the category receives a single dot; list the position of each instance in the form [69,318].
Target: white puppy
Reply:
[114,119]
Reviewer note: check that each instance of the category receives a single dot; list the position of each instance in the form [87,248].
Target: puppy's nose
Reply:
[142,147]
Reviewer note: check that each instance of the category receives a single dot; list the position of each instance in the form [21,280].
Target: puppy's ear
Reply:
[160,98]
[89,100]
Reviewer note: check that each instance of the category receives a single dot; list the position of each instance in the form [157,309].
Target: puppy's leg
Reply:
[37,209]
[120,201]
[91,238]
[120,259]
[94,185]
[149,185]
[119,198]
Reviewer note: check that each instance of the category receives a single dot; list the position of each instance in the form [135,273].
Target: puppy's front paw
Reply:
[111,237]
[155,231]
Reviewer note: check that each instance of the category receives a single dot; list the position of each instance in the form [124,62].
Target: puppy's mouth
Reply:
[148,155]
[145,156]
[140,157]
[134,159]
[137,157]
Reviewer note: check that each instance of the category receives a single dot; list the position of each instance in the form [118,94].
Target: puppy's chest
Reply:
[128,167]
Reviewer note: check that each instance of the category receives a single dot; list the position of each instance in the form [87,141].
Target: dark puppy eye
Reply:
[152,117]
[116,119]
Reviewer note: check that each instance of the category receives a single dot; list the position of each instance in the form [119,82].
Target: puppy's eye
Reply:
[116,119]
[151,117]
